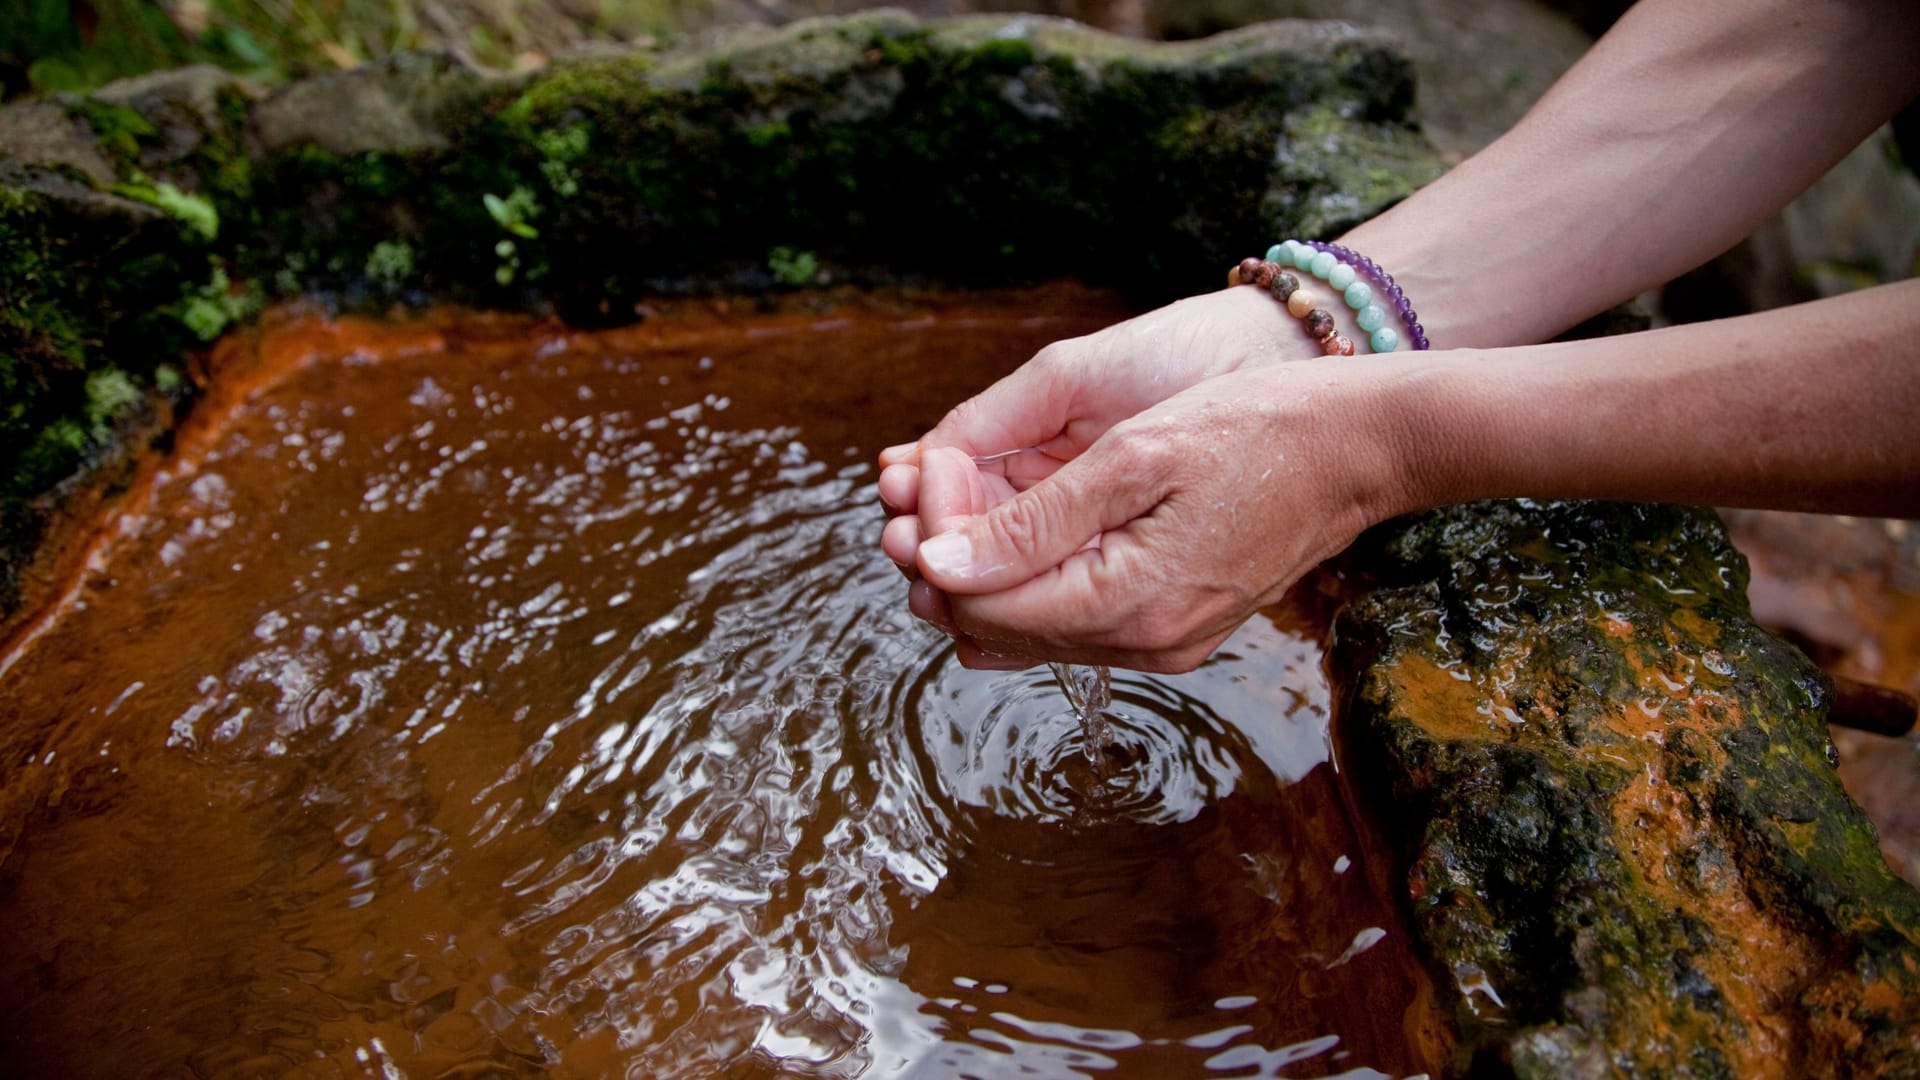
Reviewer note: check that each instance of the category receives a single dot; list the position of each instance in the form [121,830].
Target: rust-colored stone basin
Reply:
[478,697]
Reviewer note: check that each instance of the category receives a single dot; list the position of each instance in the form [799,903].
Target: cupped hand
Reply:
[1048,412]
[1146,550]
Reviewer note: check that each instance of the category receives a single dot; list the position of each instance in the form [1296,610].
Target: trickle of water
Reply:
[1089,690]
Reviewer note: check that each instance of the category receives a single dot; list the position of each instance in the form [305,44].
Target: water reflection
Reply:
[539,706]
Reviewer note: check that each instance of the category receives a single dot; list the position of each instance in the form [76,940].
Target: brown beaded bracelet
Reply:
[1299,301]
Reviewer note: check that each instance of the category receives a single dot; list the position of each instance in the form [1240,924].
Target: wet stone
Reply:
[1628,845]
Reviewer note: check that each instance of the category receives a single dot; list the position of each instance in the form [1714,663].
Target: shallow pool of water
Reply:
[479,698]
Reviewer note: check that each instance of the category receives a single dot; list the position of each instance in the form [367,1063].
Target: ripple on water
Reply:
[542,707]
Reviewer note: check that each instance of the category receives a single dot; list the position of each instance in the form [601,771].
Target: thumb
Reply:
[1026,408]
[1036,530]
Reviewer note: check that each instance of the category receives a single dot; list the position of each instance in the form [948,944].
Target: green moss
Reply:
[999,54]
[109,391]
[559,150]
[793,268]
[389,265]
[193,211]
[1583,852]
[984,152]
[120,129]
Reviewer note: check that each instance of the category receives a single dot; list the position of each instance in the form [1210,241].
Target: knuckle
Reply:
[1052,355]
[1143,452]
[960,417]
[1019,526]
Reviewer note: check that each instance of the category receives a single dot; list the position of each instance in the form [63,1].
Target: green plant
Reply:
[389,265]
[509,262]
[515,213]
[793,267]
[559,149]
[120,128]
[208,310]
[193,211]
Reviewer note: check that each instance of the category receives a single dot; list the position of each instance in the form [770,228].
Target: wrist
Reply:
[1424,428]
[1354,430]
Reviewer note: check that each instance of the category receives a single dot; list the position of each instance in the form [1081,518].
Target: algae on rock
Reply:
[146,217]
[1629,849]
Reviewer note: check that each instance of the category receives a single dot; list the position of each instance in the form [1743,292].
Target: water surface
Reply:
[477,698]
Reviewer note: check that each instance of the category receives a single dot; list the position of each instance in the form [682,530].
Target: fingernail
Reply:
[897,451]
[949,553]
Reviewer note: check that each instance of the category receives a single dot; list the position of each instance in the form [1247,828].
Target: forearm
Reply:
[1681,131]
[1814,407]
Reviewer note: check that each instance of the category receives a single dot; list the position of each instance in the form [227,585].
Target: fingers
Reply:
[930,605]
[900,488]
[1027,408]
[900,540]
[1036,530]
[1108,605]
[952,491]
[973,656]
[1024,468]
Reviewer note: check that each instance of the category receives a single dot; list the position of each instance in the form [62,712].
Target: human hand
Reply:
[1173,527]
[1024,427]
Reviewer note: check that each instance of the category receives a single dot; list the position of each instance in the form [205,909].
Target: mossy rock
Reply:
[143,219]
[1629,850]
[971,151]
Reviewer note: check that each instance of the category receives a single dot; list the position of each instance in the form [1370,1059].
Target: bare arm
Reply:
[1148,549]
[1145,538]
[1812,407]
[1680,132]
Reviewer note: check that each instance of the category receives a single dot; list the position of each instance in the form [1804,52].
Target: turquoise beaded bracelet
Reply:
[1344,280]
[1342,268]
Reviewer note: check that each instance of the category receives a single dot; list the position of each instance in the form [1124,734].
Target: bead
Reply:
[1359,281]
[1392,299]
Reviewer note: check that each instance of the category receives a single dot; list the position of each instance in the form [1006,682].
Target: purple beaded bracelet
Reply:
[1416,333]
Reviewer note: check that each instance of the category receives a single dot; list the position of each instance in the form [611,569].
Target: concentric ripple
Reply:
[1014,746]
[460,704]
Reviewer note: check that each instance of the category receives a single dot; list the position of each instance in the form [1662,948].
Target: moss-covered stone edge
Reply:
[1597,762]
[145,219]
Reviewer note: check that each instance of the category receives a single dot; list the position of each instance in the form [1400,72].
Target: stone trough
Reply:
[1625,848]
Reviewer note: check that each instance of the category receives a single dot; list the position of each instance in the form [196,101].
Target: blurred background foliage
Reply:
[49,46]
